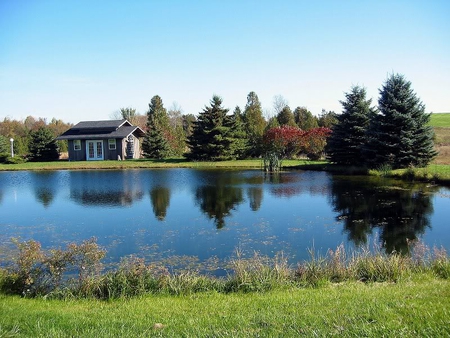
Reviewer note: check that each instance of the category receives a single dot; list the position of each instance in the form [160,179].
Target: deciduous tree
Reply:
[285,117]
[304,119]
[254,123]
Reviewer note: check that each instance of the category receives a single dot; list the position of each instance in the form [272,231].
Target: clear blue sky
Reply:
[83,60]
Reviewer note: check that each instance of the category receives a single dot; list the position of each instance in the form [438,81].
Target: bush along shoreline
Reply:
[76,272]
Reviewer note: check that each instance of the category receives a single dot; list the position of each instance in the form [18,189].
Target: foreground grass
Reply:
[411,308]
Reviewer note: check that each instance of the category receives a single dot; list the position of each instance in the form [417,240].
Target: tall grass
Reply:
[51,274]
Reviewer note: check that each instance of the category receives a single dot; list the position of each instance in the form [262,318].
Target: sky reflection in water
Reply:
[210,213]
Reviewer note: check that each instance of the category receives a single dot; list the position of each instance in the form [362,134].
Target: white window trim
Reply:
[112,143]
[77,145]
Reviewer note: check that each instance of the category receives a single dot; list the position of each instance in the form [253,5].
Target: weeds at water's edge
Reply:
[75,272]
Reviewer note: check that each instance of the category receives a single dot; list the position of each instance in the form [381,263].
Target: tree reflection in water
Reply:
[160,198]
[112,188]
[255,197]
[43,185]
[400,210]
[218,201]
[218,194]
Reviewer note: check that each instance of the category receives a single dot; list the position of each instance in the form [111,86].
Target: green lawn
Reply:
[440,120]
[410,308]
[143,163]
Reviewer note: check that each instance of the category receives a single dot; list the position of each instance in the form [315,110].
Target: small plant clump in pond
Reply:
[76,272]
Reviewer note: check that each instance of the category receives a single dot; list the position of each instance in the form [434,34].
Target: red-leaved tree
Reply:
[315,140]
[287,141]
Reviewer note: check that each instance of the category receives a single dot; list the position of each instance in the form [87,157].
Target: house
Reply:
[103,140]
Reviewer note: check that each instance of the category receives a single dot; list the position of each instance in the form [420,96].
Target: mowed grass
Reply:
[410,308]
[440,120]
[441,124]
[145,163]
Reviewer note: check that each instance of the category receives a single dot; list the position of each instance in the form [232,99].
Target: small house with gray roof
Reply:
[103,140]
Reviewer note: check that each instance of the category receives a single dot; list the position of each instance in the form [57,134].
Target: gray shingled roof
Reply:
[100,124]
[101,130]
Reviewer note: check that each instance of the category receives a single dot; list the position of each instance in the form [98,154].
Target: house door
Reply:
[94,150]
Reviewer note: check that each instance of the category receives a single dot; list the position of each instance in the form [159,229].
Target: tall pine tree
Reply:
[240,145]
[349,134]
[399,134]
[212,138]
[155,144]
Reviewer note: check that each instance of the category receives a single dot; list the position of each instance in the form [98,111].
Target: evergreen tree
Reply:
[212,137]
[155,144]
[286,118]
[254,124]
[240,146]
[304,119]
[43,146]
[399,134]
[349,134]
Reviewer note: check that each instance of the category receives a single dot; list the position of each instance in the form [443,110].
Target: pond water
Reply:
[203,215]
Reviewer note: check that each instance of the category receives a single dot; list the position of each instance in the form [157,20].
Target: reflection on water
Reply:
[160,198]
[401,212]
[255,197]
[217,201]
[112,188]
[210,213]
[44,184]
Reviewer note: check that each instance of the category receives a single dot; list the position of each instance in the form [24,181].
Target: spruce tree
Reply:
[240,144]
[155,144]
[399,135]
[212,138]
[349,134]
[43,146]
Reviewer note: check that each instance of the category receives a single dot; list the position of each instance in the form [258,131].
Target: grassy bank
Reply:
[143,164]
[415,307]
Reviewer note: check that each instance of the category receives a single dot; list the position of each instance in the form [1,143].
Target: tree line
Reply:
[34,139]
[215,134]
[396,133]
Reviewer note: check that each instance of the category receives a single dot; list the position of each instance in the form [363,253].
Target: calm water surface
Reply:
[206,214]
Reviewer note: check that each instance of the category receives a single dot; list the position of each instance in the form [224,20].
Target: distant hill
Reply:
[440,120]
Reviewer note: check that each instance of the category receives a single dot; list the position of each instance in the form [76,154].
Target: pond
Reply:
[206,215]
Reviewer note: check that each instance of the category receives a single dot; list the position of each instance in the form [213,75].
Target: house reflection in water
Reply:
[90,188]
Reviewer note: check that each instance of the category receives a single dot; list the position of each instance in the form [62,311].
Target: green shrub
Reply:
[385,170]
[35,272]
[6,158]
[441,263]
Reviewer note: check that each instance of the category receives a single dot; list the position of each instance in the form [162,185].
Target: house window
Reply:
[76,144]
[112,144]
